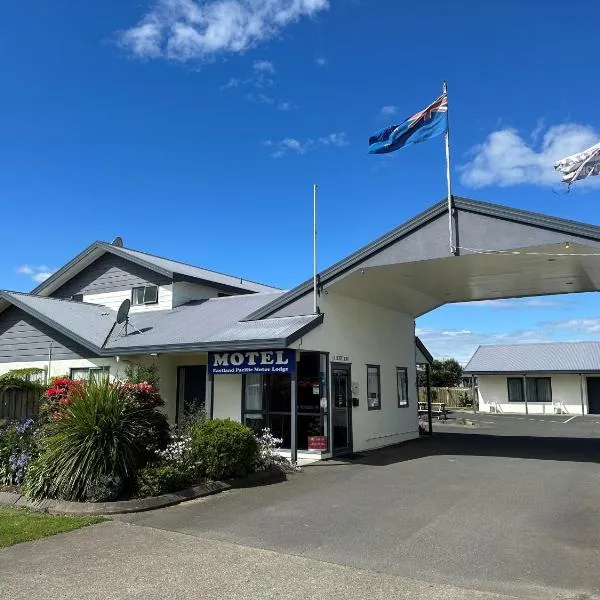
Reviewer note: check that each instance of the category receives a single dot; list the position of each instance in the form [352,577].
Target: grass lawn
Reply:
[21,525]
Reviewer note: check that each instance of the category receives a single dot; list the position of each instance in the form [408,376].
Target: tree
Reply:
[446,373]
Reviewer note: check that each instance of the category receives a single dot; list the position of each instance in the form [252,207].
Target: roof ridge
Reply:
[187,264]
[538,343]
[55,299]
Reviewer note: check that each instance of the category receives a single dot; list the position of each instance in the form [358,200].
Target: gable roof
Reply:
[213,324]
[506,213]
[87,324]
[551,357]
[169,268]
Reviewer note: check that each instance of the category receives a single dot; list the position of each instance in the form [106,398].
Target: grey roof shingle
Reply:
[555,357]
[191,323]
[88,322]
[174,266]
[216,323]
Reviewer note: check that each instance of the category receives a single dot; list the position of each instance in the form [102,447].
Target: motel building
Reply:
[329,381]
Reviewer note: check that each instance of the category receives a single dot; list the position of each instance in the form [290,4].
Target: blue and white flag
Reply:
[424,125]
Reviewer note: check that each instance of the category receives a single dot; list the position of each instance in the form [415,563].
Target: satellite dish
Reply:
[123,312]
[118,242]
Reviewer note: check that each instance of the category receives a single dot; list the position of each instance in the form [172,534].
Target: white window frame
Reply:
[145,301]
[90,371]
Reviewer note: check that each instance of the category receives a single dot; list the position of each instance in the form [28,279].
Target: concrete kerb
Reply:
[62,507]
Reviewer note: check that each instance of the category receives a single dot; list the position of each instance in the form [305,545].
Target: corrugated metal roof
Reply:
[547,357]
[90,322]
[213,322]
[180,268]
[191,323]
[267,329]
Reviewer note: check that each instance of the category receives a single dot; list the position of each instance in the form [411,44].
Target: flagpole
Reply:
[315,306]
[447,139]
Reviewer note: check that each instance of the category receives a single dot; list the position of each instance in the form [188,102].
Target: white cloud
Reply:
[36,273]
[294,146]
[517,303]
[232,83]
[387,111]
[334,139]
[462,343]
[505,158]
[263,66]
[582,326]
[191,30]
[41,276]
[321,62]
[285,106]
[260,99]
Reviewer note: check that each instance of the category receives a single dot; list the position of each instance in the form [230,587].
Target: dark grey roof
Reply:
[422,348]
[88,324]
[173,267]
[164,266]
[216,323]
[552,357]
[584,230]
[190,323]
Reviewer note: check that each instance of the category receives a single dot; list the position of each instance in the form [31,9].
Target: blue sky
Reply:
[196,129]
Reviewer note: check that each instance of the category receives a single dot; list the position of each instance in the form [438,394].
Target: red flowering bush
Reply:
[143,398]
[57,397]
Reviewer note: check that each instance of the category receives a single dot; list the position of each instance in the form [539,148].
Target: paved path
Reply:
[475,515]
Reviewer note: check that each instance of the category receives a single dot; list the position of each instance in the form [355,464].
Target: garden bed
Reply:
[63,507]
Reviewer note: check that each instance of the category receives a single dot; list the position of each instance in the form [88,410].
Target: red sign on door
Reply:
[317,442]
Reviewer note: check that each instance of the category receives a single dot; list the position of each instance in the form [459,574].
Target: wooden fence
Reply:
[17,404]
[451,397]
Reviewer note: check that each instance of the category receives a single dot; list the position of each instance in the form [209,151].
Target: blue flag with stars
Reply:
[426,124]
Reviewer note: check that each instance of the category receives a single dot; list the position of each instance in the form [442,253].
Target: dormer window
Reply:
[77,298]
[147,294]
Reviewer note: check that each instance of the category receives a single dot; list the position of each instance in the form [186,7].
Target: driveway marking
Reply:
[570,419]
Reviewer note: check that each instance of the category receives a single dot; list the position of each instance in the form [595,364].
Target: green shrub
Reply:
[135,373]
[154,481]
[224,449]
[99,435]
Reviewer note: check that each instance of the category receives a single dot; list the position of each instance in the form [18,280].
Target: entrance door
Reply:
[341,408]
[191,390]
[593,394]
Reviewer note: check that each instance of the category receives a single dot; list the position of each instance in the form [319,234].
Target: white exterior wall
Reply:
[369,334]
[63,367]
[184,291]
[113,300]
[565,389]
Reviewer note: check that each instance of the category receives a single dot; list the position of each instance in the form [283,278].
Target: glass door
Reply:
[191,390]
[341,408]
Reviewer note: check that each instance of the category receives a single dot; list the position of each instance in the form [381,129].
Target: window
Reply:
[90,374]
[539,389]
[147,294]
[373,388]
[402,386]
[515,389]
[77,298]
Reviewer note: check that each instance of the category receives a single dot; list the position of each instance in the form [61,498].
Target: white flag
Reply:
[581,165]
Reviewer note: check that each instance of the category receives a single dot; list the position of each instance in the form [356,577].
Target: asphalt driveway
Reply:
[501,510]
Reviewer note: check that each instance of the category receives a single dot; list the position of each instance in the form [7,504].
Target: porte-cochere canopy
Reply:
[502,252]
